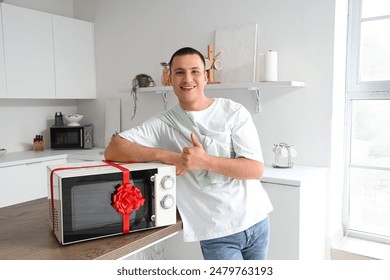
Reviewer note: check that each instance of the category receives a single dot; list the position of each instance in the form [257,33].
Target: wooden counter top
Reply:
[25,235]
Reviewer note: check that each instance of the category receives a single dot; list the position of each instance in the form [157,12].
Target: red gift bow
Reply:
[127,198]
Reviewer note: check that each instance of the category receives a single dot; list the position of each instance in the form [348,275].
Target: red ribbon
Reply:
[126,198]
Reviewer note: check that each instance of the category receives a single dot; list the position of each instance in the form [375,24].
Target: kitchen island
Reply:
[25,235]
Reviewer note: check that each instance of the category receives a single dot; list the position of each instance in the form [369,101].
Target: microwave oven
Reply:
[83,199]
[71,137]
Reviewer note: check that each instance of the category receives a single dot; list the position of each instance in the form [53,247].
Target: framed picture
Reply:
[238,53]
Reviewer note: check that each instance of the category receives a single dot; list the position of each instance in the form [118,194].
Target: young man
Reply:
[216,150]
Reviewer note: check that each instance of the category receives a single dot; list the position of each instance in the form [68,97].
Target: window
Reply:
[368,141]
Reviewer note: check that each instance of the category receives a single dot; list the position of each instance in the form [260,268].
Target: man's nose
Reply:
[187,77]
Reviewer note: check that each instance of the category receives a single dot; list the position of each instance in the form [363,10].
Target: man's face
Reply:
[188,77]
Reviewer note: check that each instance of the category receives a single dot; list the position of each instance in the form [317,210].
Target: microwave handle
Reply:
[81,138]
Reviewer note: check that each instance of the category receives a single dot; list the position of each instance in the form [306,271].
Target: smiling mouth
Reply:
[187,88]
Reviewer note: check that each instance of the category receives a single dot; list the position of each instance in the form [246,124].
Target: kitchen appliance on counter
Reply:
[90,200]
[283,155]
[71,137]
[58,119]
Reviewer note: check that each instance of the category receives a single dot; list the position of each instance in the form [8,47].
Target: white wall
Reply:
[135,36]
[21,120]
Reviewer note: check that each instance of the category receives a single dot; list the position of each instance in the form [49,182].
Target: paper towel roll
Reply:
[271,66]
[260,68]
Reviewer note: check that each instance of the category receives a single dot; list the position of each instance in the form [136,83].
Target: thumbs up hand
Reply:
[195,157]
[195,141]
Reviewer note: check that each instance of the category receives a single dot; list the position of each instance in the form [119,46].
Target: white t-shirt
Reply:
[237,205]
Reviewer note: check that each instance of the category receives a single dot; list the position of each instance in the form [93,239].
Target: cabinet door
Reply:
[3,88]
[20,183]
[28,48]
[74,52]
[11,180]
[284,222]
[24,182]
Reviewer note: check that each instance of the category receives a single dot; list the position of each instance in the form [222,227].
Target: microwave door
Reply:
[144,216]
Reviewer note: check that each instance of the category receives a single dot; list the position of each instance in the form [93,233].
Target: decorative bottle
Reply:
[165,74]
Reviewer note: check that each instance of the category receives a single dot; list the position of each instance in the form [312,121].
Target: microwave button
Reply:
[167,201]
[167,182]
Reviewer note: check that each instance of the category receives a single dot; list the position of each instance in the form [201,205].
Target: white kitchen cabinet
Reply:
[74,54]
[177,249]
[24,182]
[28,48]
[284,221]
[3,88]
[297,223]
[46,56]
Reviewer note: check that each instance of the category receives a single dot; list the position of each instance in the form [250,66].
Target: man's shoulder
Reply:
[230,105]
[151,122]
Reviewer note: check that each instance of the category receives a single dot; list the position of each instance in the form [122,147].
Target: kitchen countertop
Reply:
[27,157]
[25,235]
[285,176]
[291,176]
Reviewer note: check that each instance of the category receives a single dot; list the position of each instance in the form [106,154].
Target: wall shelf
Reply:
[254,87]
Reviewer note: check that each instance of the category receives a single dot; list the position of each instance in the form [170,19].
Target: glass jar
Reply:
[165,74]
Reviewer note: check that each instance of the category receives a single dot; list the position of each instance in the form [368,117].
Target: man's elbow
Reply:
[110,151]
[259,170]
[108,154]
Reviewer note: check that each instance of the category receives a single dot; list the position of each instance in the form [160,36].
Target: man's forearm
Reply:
[123,150]
[238,168]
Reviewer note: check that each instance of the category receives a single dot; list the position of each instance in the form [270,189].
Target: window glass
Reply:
[370,201]
[370,141]
[375,50]
[375,8]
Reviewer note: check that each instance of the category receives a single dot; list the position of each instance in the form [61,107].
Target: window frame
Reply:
[358,90]
[356,87]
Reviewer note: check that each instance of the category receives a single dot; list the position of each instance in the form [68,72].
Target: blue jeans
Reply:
[250,244]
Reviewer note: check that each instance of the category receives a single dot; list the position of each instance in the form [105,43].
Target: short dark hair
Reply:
[185,51]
